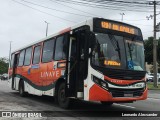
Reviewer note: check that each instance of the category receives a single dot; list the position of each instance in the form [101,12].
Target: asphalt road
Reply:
[11,101]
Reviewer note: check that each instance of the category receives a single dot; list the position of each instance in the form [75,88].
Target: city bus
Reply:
[96,60]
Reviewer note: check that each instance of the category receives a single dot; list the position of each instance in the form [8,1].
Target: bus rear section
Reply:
[97,60]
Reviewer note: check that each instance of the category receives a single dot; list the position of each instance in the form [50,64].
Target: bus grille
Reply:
[126,92]
[121,74]
[125,75]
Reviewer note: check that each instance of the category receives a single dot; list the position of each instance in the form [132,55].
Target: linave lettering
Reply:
[50,74]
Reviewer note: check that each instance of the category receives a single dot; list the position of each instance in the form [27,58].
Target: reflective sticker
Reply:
[29,71]
[130,65]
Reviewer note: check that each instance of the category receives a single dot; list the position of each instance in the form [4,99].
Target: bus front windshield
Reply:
[112,51]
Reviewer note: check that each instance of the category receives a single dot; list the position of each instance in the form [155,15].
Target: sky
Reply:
[23,23]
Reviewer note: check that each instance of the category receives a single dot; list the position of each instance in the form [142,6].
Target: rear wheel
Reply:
[62,100]
[107,104]
[21,89]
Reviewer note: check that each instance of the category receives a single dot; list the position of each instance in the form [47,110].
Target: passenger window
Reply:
[36,56]
[60,49]
[12,60]
[21,58]
[28,56]
[48,51]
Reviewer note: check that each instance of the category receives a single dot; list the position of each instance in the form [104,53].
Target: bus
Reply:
[96,60]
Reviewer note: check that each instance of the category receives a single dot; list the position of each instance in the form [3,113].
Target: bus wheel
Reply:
[107,104]
[21,89]
[62,100]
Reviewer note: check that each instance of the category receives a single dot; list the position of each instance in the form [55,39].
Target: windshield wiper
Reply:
[115,44]
[130,46]
[130,51]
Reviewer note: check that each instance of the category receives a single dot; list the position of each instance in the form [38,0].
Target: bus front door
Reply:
[77,65]
[71,73]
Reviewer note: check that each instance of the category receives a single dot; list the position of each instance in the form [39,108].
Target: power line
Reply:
[56,9]
[55,1]
[119,3]
[126,2]
[74,9]
[44,12]
[60,17]
[100,6]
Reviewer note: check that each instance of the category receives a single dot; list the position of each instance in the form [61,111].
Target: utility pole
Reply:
[46,28]
[155,43]
[10,47]
[122,16]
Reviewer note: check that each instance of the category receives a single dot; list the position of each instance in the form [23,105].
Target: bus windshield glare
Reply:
[112,51]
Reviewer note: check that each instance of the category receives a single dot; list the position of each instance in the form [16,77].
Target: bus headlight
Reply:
[100,82]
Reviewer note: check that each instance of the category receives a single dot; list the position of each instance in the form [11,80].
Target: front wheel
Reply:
[62,100]
[107,104]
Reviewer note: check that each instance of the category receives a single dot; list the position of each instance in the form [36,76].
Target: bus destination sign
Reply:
[118,27]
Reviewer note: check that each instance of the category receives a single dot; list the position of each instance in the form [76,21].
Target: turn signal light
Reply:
[61,65]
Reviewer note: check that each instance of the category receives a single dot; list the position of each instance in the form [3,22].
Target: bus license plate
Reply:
[128,95]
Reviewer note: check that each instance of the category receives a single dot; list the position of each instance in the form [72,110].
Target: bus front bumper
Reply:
[96,93]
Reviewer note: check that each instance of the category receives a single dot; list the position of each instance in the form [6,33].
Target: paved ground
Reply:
[154,94]
[11,101]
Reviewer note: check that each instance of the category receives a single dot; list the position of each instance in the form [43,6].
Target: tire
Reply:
[107,104]
[63,101]
[21,89]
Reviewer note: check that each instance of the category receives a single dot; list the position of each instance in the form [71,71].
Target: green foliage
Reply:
[151,87]
[3,65]
[148,46]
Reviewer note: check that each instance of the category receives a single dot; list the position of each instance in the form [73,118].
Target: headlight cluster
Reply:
[100,82]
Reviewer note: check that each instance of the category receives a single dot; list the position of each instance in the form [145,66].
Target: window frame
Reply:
[30,57]
[12,60]
[39,55]
[64,38]
[19,58]
[54,40]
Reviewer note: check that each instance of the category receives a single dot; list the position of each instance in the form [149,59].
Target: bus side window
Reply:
[16,60]
[60,48]
[36,55]
[12,60]
[21,58]
[28,55]
[48,49]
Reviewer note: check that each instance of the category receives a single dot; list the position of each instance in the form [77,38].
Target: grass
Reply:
[151,87]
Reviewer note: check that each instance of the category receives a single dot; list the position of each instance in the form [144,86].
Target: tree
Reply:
[3,65]
[148,46]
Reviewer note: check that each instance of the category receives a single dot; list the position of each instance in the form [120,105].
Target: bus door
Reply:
[77,64]
[14,64]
